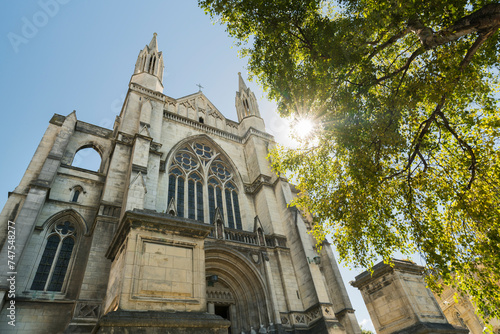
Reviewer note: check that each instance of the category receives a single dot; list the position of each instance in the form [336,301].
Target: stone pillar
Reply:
[232,312]
[158,272]
[38,191]
[399,302]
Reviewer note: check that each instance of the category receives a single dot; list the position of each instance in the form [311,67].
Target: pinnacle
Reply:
[153,44]
[242,86]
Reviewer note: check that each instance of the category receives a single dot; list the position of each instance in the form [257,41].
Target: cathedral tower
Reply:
[182,227]
[148,71]
[246,103]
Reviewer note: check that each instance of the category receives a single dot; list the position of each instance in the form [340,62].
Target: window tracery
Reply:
[200,177]
[51,272]
[203,151]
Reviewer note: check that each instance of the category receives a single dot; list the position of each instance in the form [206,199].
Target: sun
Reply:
[303,127]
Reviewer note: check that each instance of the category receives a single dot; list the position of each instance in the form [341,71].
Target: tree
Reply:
[405,154]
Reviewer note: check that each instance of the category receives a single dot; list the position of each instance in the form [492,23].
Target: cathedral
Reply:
[183,228]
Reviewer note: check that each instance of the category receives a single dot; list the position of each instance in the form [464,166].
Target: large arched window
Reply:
[87,158]
[53,266]
[199,175]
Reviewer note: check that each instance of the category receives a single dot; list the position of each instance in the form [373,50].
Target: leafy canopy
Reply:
[406,149]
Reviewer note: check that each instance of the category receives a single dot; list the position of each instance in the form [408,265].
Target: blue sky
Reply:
[63,55]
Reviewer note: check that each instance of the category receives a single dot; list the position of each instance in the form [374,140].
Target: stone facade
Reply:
[183,226]
[461,312]
[399,301]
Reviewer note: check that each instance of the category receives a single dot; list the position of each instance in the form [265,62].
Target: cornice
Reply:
[153,221]
[152,94]
[201,126]
[215,131]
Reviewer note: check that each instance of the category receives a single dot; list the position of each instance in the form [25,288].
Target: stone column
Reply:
[232,313]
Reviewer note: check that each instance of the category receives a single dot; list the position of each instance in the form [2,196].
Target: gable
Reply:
[199,103]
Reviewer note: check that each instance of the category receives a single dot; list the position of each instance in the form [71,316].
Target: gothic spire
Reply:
[246,103]
[149,67]
[241,84]
[153,46]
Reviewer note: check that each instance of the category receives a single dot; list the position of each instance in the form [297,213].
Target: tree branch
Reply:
[303,39]
[405,67]
[464,145]
[390,41]
[423,160]
[423,129]
[473,49]
[485,19]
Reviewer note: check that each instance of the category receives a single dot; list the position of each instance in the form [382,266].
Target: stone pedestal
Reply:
[157,278]
[399,302]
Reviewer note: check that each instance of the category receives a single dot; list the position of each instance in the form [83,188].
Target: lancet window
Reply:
[56,257]
[76,194]
[200,177]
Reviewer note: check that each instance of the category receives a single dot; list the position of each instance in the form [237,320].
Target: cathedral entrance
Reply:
[235,289]
[220,301]
[223,311]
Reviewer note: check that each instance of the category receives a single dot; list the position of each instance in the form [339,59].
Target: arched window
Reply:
[152,62]
[51,272]
[87,158]
[76,193]
[247,107]
[208,176]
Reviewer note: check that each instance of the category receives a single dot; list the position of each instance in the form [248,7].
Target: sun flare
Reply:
[303,127]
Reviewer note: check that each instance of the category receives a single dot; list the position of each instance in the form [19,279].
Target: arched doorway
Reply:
[235,289]
[220,300]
